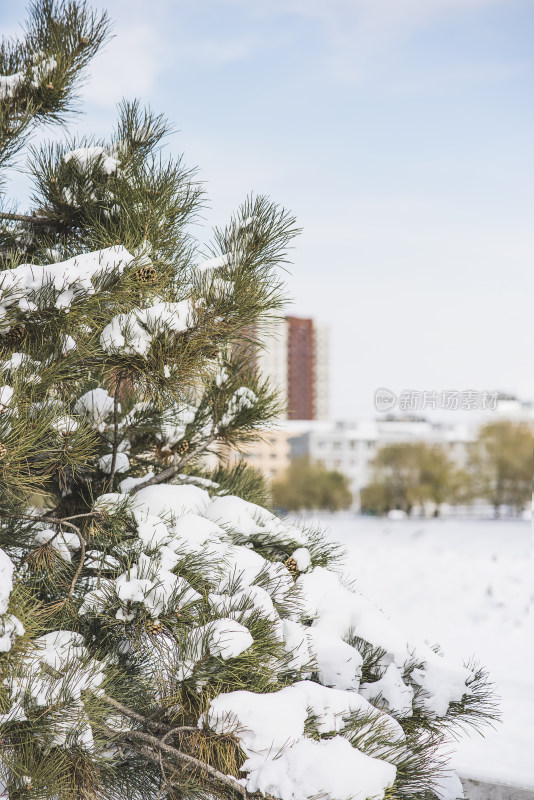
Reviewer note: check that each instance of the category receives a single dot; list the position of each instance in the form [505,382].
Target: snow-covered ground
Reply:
[465,584]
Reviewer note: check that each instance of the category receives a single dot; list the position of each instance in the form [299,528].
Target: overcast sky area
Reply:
[400,134]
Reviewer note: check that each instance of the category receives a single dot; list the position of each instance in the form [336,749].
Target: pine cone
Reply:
[3,451]
[291,564]
[13,336]
[146,274]
[182,447]
[154,627]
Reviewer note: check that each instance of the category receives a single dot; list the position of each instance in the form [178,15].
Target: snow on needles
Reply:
[30,287]
[283,761]
[342,772]
[98,406]
[85,157]
[314,618]
[10,626]
[241,400]
[55,672]
[11,84]
[58,284]
[283,758]
[133,333]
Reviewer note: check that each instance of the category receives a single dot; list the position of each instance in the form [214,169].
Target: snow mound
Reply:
[283,761]
[331,768]
[174,501]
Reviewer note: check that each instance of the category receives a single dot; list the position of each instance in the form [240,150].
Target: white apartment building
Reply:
[272,358]
[349,447]
[513,409]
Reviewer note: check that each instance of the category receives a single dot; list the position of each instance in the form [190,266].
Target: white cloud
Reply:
[380,18]
[361,33]
[213,52]
[128,67]
[148,44]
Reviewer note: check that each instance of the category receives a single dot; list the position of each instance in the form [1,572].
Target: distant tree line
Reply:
[306,485]
[498,469]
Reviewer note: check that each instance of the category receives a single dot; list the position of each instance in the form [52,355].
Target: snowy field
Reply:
[464,584]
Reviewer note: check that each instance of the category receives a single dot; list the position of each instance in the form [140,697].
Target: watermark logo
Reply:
[385,399]
[431,399]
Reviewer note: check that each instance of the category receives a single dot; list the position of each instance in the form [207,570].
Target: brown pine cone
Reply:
[154,627]
[291,564]
[146,274]
[13,336]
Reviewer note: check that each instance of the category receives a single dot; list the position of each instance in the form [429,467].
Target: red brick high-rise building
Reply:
[300,368]
[295,358]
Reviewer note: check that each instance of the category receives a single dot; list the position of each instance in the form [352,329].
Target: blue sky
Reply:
[400,134]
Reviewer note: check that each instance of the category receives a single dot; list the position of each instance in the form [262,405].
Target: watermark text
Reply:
[432,399]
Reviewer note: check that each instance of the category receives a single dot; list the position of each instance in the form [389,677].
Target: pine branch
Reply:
[32,218]
[209,772]
[177,782]
[128,712]
[60,522]
[162,762]
[170,472]
[180,729]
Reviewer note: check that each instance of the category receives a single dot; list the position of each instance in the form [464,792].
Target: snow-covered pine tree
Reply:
[162,634]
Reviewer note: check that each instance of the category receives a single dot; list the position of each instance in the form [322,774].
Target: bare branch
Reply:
[210,772]
[181,729]
[128,712]
[32,218]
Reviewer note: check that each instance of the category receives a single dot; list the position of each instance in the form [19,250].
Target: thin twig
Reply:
[60,523]
[157,759]
[184,758]
[27,218]
[75,516]
[82,556]
[128,712]
[52,520]
[181,729]
[171,471]
[115,434]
